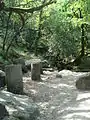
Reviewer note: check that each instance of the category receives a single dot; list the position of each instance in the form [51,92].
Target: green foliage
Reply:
[20,29]
[30,35]
[65,38]
[85,64]
[64,26]
[54,31]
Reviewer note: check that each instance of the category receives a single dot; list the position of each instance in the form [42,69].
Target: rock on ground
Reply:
[2,79]
[3,112]
[19,107]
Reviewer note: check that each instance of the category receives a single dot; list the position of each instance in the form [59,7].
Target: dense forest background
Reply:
[55,30]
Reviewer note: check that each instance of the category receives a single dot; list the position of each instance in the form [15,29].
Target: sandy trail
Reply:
[58,98]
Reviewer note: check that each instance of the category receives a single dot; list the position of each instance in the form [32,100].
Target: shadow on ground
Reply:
[58,98]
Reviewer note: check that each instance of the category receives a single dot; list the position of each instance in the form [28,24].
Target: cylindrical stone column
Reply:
[36,71]
[14,79]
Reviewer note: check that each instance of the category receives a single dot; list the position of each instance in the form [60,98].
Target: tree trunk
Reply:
[82,40]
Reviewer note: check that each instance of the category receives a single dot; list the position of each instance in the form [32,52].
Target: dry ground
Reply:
[58,98]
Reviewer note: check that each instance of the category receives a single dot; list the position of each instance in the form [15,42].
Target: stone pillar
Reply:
[14,79]
[36,71]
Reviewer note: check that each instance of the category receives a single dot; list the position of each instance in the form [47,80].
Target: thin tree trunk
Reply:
[82,40]
[39,29]
[4,41]
[77,61]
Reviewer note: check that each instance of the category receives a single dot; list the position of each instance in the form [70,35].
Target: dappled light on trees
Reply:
[44,46]
[55,30]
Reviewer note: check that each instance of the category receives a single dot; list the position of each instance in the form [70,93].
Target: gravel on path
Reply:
[58,98]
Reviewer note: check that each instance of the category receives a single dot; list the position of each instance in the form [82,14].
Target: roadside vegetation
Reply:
[55,30]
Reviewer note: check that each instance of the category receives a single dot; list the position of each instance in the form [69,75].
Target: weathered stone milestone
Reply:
[36,70]
[14,79]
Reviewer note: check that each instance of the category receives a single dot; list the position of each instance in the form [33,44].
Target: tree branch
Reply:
[28,10]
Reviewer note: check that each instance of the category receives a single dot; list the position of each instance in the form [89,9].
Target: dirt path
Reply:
[57,98]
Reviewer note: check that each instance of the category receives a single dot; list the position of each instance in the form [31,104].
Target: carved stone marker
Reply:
[36,70]
[14,79]
[3,112]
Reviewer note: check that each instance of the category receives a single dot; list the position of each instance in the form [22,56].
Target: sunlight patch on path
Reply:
[58,98]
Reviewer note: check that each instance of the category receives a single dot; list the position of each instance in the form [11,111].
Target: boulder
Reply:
[58,76]
[19,107]
[28,64]
[22,62]
[3,112]
[45,64]
[83,83]
[2,79]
